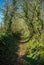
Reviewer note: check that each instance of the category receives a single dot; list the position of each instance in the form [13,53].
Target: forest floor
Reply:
[8,55]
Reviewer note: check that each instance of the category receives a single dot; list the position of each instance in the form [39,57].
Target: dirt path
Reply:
[21,50]
[21,53]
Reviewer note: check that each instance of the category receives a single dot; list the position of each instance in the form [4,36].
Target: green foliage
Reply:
[8,49]
[22,23]
[35,49]
[6,16]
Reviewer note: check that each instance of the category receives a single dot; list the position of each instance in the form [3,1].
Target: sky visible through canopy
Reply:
[2,3]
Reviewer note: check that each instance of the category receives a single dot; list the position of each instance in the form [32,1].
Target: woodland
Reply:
[22,32]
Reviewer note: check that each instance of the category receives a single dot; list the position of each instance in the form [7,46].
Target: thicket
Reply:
[22,23]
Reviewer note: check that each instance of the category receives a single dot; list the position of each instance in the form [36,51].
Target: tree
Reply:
[12,10]
[32,15]
[29,14]
[6,16]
